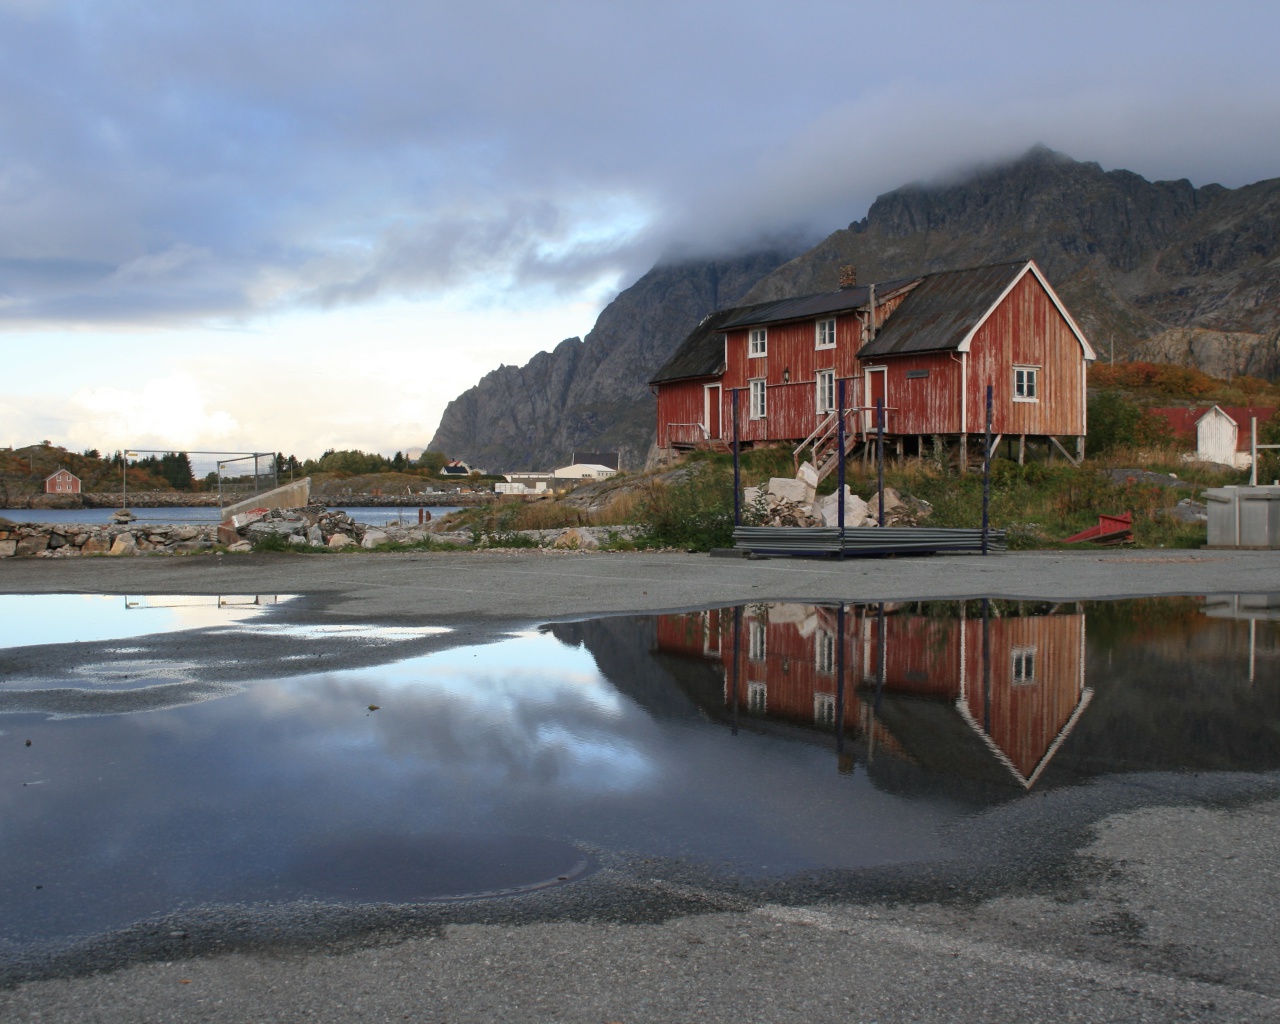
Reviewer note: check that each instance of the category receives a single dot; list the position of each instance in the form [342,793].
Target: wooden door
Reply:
[711,414]
[876,392]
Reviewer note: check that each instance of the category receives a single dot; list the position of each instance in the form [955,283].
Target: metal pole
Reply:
[737,643]
[879,656]
[124,481]
[840,678]
[737,469]
[880,454]
[986,476]
[986,666]
[1253,451]
[840,464]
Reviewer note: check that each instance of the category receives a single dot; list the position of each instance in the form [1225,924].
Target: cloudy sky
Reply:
[296,225]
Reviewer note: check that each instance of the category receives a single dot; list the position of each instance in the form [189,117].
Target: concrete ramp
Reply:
[291,495]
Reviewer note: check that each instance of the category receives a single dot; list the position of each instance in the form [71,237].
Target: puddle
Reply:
[29,619]
[354,765]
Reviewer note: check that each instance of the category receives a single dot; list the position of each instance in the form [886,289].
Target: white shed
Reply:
[1217,437]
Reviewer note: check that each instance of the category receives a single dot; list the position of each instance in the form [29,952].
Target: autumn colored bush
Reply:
[1159,378]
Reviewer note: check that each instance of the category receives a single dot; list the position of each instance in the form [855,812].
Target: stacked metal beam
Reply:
[795,540]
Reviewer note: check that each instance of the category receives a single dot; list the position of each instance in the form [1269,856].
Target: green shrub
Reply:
[694,513]
[1116,420]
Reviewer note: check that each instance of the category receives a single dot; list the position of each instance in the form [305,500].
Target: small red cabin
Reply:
[922,349]
[62,482]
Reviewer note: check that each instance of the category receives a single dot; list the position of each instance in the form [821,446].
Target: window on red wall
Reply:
[759,400]
[826,384]
[757,342]
[825,334]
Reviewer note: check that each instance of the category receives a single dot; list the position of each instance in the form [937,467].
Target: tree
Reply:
[175,467]
[433,462]
[1115,420]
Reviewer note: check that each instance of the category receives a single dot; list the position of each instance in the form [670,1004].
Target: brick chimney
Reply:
[848,276]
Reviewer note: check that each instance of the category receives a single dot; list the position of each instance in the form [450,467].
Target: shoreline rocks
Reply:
[314,526]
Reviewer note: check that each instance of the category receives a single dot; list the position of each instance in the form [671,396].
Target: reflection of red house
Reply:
[62,482]
[926,347]
[1019,694]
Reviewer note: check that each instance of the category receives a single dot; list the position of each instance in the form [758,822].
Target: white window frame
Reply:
[759,398]
[1022,667]
[824,653]
[824,334]
[824,709]
[1026,383]
[757,640]
[757,698]
[757,342]
[825,390]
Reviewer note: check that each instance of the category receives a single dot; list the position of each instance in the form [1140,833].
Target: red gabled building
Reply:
[62,482]
[923,348]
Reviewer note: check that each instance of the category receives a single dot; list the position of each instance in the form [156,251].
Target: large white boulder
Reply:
[856,512]
[372,538]
[784,489]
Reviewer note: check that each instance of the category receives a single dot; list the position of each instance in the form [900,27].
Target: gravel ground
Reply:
[518,585]
[1144,897]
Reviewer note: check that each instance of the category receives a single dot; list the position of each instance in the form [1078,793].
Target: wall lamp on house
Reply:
[786,376]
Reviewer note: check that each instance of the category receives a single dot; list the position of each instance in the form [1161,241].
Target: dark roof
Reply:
[942,309]
[701,354]
[610,459]
[806,306]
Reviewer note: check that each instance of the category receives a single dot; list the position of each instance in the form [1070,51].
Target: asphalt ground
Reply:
[1142,897]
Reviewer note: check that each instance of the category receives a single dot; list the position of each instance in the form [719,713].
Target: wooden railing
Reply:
[693,434]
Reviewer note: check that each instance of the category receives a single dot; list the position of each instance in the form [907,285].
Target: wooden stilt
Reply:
[1079,450]
[964,454]
[1022,449]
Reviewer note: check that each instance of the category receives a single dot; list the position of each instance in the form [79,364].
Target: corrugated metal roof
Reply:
[942,309]
[701,354]
[840,301]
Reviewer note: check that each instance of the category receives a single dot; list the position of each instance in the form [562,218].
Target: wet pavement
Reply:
[612,812]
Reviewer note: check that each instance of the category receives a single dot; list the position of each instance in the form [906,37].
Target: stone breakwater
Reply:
[310,527]
[63,540]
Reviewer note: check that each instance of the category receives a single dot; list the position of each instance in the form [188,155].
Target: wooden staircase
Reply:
[824,442]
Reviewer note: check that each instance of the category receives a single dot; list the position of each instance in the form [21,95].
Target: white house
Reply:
[584,471]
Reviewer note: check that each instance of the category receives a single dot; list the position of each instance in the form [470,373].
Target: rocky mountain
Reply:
[1164,270]
[592,393]
[1161,270]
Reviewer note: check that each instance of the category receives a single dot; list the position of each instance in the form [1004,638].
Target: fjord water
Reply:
[243,756]
[370,515]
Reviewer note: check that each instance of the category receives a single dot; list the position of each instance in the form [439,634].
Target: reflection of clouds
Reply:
[472,726]
[355,631]
[30,619]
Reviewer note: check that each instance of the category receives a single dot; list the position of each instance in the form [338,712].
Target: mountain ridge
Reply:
[1162,270]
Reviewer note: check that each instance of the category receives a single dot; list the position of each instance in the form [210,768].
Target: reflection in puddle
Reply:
[765,740]
[29,619]
[986,685]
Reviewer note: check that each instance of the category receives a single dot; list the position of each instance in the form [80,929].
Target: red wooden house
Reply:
[924,348]
[62,482]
